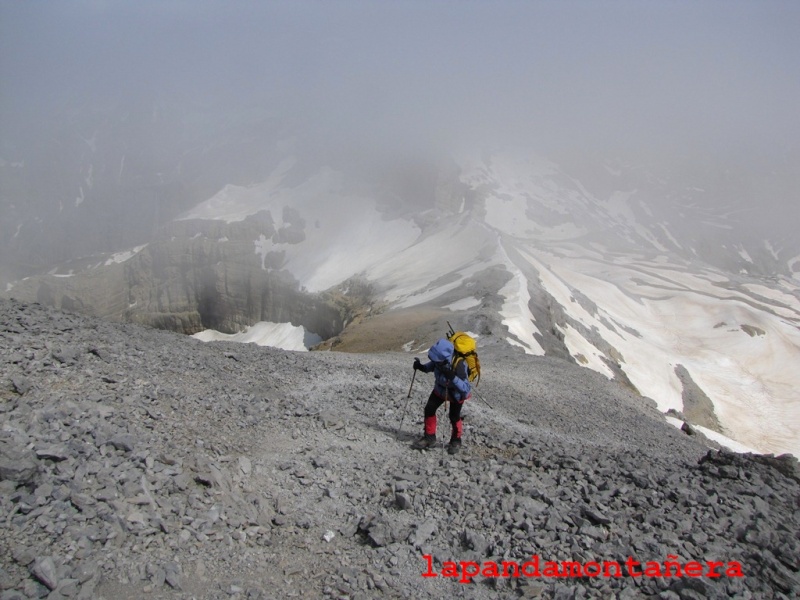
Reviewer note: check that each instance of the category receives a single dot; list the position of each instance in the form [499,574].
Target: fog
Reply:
[676,83]
[630,74]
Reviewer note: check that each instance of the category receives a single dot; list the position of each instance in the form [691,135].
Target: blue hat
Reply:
[441,351]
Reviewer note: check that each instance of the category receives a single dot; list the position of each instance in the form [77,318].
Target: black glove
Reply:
[417,365]
[448,372]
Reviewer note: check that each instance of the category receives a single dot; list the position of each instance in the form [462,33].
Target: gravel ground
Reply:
[137,463]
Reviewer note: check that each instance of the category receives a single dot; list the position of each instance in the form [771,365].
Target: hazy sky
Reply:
[664,74]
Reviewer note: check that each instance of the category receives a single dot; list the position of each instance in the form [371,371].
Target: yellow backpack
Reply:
[466,349]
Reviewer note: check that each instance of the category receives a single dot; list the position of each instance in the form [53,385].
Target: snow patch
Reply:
[432,266]
[791,264]
[669,235]
[771,249]
[519,187]
[715,436]
[725,441]
[516,313]
[53,273]
[121,257]
[579,347]
[674,421]
[777,296]
[744,254]
[263,246]
[265,333]
[235,203]
[463,304]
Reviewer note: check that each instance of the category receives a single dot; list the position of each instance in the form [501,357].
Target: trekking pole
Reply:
[482,398]
[446,399]
[405,410]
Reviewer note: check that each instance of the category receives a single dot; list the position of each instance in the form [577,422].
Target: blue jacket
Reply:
[441,356]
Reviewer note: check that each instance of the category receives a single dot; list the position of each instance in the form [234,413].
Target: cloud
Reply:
[611,70]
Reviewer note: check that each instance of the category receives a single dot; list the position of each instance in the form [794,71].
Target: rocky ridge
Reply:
[141,463]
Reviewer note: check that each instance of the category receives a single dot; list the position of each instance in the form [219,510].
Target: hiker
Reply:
[451,385]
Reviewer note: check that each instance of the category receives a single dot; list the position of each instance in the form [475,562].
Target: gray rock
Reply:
[174,580]
[21,384]
[597,533]
[65,354]
[85,571]
[475,541]
[23,555]
[380,534]
[403,501]
[157,576]
[106,494]
[6,580]
[56,452]
[68,588]
[17,464]
[123,442]
[595,516]
[424,533]
[43,569]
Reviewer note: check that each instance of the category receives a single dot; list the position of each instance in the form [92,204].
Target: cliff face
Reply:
[196,275]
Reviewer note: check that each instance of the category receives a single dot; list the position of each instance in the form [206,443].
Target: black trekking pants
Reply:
[434,402]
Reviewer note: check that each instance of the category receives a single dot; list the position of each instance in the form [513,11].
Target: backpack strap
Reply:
[460,358]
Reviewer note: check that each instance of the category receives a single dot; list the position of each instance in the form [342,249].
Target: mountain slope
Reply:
[140,462]
[617,271]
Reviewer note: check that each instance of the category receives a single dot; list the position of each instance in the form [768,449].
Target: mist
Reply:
[673,84]
[615,74]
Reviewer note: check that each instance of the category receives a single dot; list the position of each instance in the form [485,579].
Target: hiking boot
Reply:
[454,446]
[424,442]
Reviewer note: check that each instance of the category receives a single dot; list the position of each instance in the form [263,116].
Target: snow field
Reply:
[752,380]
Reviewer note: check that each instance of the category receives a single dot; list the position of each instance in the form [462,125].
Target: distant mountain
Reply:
[661,281]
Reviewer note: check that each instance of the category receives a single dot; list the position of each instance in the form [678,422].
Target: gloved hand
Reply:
[448,372]
[417,365]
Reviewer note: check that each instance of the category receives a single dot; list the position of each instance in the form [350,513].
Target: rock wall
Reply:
[195,275]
